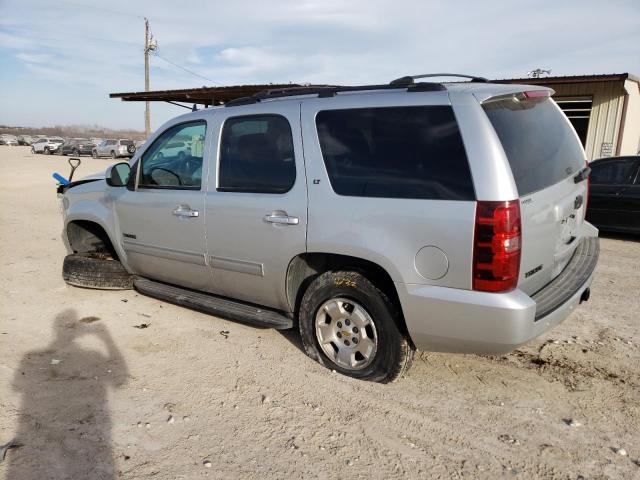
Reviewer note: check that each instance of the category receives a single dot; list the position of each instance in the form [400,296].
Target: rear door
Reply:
[256,220]
[611,196]
[546,158]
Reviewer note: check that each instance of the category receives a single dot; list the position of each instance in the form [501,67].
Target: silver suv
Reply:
[376,219]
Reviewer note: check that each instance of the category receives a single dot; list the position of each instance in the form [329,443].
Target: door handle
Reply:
[281,218]
[185,211]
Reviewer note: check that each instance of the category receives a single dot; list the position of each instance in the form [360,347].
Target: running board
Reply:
[213,304]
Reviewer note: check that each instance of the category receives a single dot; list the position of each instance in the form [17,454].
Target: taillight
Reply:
[537,94]
[496,248]
[586,200]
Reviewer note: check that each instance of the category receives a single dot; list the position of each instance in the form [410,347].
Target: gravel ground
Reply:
[90,393]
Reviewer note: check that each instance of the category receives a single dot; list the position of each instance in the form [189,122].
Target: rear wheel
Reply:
[349,325]
[95,270]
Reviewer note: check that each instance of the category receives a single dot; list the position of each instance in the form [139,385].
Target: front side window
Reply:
[165,166]
[612,173]
[256,155]
[395,152]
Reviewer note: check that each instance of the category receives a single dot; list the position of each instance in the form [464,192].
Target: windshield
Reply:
[540,144]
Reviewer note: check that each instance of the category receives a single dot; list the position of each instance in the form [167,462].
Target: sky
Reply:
[59,60]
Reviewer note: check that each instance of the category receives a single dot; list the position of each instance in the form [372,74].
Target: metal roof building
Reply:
[604,109]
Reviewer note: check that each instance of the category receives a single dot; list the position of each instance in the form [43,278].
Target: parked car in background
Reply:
[9,140]
[47,145]
[25,140]
[114,148]
[77,147]
[376,219]
[614,194]
[96,141]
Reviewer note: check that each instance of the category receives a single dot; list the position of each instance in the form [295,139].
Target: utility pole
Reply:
[149,46]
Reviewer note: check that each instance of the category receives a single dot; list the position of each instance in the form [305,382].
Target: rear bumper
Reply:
[464,321]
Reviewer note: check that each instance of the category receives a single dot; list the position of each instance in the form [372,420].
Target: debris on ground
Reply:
[55,361]
[89,319]
[224,333]
[6,447]
[207,464]
[142,325]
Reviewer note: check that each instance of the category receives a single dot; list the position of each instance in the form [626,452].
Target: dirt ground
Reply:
[92,395]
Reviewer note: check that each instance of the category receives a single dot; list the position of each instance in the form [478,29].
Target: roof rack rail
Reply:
[410,79]
[324,91]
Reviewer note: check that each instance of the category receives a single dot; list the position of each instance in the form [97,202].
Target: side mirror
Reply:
[118,175]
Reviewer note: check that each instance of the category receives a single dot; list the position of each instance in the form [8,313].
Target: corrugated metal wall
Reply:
[604,124]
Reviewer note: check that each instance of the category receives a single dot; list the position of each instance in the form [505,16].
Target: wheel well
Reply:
[304,268]
[88,237]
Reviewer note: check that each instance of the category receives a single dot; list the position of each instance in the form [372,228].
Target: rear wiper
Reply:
[582,175]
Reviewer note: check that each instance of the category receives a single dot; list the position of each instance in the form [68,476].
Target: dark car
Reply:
[614,194]
[77,147]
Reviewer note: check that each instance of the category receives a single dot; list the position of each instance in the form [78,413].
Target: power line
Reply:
[185,69]
[102,9]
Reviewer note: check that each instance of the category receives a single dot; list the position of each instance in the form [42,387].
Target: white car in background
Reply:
[114,148]
[46,145]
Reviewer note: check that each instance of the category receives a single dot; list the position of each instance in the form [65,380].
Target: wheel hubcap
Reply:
[346,333]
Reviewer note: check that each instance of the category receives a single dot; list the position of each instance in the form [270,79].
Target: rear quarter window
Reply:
[540,144]
[395,152]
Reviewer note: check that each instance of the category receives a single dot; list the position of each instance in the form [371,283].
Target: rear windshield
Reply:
[395,152]
[540,144]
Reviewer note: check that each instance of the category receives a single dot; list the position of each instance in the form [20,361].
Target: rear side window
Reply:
[613,173]
[256,155]
[395,152]
[540,144]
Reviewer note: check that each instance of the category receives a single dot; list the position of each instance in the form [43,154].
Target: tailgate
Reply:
[546,159]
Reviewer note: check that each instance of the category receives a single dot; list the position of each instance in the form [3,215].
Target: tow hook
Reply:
[585,295]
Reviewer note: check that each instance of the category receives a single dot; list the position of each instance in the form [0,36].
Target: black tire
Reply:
[75,153]
[91,270]
[394,354]
[47,151]
[113,154]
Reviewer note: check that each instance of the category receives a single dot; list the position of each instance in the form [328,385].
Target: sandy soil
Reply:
[194,396]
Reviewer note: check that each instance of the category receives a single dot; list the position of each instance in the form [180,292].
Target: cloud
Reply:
[35,57]
[87,51]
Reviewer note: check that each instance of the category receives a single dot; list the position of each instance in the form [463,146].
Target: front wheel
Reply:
[349,325]
[95,270]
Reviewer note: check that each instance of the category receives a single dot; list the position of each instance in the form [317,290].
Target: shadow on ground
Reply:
[64,424]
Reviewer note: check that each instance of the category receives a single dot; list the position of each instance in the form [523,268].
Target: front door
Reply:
[256,202]
[162,220]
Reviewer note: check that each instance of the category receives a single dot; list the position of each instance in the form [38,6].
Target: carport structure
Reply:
[206,96]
